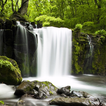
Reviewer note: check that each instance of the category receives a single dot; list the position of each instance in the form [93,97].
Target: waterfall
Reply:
[21,48]
[54,51]
[1,41]
[25,46]
[48,49]
[91,45]
[89,56]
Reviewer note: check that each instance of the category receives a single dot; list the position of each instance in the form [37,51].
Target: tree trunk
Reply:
[23,8]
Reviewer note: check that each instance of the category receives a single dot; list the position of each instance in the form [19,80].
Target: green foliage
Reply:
[41,18]
[88,26]
[102,35]
[71,11]
[73,22]
[101,32]
[78,27]
[48,20]
[1,102]
[102,24]
[46,24]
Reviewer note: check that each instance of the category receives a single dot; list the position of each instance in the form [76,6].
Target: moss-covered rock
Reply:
[9,71]
[89,57]
[36,88]
[80,49]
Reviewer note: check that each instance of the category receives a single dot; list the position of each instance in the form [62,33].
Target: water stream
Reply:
[94,85]
[21,44]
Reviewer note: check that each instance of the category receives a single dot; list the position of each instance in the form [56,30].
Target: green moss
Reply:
[99,60]
[51,93]
[13,62]
[48,84]
[88,27]
[1,102]
[9,71]
[79,52]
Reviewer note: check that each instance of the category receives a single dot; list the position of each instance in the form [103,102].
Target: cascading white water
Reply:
[21,44]
[90,44]
[54,51]
[89,56]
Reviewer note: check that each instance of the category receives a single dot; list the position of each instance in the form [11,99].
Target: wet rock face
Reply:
[10,48]
[64,91]
[8,43]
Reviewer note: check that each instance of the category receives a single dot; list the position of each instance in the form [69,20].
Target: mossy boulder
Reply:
[39,90]
[9,71]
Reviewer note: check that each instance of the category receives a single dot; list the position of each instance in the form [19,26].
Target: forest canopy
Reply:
[72,12]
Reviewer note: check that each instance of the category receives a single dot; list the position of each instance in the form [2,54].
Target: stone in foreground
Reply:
[39,90]
[75,101]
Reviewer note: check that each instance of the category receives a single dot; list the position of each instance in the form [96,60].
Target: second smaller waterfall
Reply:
[89,56]
[90,44]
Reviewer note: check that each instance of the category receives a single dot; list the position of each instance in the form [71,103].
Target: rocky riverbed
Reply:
[44,93]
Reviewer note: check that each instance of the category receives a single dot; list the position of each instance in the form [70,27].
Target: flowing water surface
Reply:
[94,85]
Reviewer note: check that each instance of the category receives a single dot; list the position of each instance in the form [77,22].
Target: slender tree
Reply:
[24,5]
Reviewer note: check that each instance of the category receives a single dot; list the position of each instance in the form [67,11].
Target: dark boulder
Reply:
[64,90]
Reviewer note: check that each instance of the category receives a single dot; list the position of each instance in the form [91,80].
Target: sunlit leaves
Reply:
[49,20]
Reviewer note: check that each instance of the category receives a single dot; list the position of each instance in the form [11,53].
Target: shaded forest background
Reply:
[67,12]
